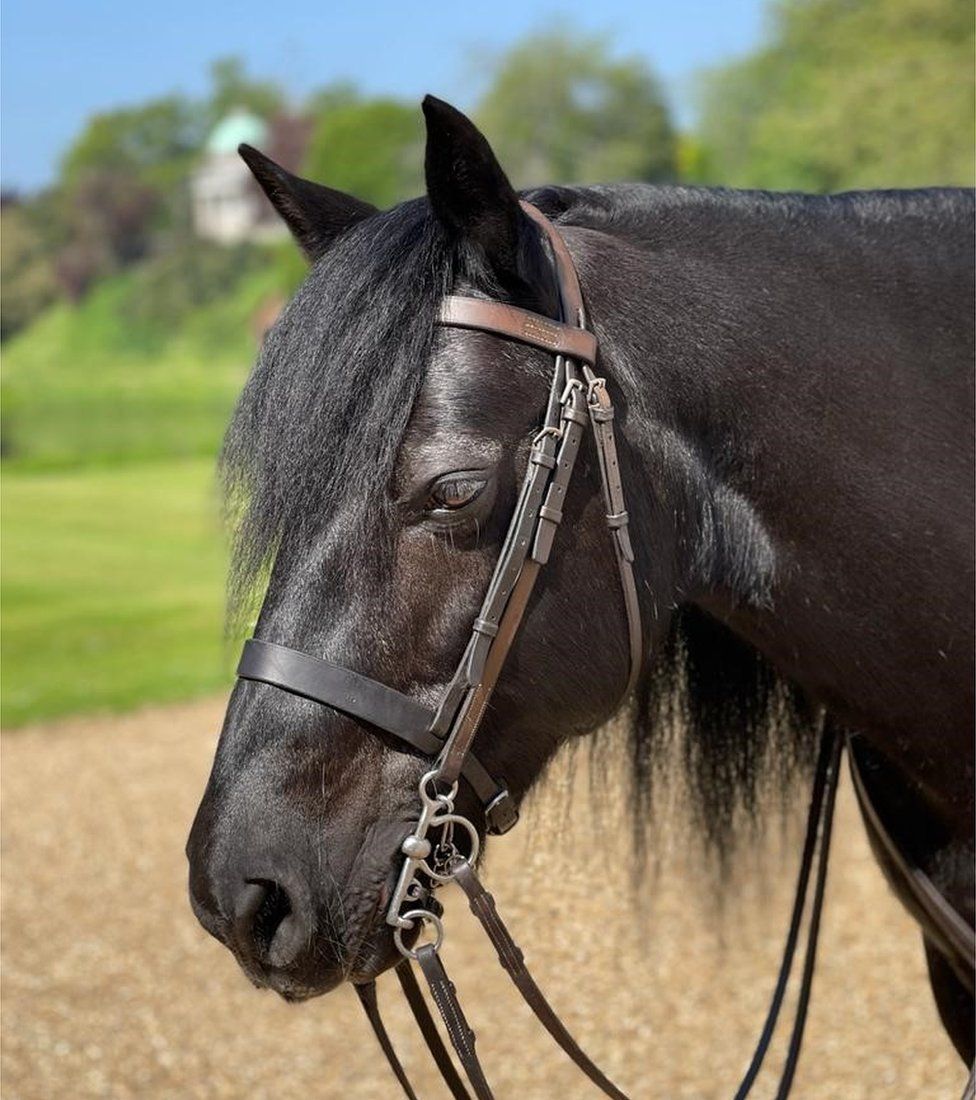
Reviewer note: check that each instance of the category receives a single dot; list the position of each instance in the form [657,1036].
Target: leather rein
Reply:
[578,399]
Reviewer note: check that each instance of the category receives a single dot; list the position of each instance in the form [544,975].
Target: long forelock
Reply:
[317,428]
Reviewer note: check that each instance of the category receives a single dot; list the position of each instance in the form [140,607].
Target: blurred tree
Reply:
[181,278]
[78,266]
[372,148]
[122,180]
[122,188]
[562,108]
[340,93]
[847,94]
[26,271]
[233,89]
[107,222]
[115,210]
[154,143]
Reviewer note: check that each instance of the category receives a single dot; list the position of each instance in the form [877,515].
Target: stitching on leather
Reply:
[455,1024]
[538,330]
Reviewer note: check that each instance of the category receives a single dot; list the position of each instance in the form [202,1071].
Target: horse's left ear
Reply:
[468,191]
[316,215]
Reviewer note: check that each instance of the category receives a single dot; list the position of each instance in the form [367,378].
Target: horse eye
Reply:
[453,492]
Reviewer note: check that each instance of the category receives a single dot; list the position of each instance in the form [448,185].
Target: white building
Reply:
[228,206]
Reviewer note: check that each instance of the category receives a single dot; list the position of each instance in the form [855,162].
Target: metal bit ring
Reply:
[413,916]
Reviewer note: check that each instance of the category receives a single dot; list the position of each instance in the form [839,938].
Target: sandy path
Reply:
[111,990]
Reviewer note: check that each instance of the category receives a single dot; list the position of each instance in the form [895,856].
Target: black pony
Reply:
[793,379]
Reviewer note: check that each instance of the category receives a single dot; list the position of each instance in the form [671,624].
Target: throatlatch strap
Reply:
[601,416]
[510,956]
[368,999]
[461,1036]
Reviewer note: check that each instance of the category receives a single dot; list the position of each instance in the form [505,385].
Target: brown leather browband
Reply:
[519,324]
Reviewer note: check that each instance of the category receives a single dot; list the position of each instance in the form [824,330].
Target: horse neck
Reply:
[791,431]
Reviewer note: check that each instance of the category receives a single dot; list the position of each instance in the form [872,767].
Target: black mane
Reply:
[323,413]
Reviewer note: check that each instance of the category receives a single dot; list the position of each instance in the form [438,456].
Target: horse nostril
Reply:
[265,927]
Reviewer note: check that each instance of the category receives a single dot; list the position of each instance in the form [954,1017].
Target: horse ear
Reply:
[316,215]
[468,191]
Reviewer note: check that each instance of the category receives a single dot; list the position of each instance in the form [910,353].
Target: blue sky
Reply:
[63,60]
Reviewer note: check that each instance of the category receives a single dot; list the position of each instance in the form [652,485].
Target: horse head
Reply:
[373,465]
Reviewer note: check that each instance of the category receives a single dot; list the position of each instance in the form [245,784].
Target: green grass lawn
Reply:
[83,387]
[113,588]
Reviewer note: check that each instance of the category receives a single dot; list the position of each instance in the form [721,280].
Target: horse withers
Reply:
[792,378]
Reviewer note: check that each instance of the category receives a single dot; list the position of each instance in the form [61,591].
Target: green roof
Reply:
[236,127]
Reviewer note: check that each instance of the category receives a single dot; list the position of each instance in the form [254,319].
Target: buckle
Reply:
[540,435]
[572,385]
[501,813]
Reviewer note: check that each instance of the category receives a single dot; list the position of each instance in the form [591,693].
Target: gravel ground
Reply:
[110,989]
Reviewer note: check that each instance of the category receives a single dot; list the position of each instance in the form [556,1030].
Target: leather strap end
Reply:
[622,535]
[476,659]
[544,537]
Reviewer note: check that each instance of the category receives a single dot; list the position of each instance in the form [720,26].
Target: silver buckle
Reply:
[571,385]
[556,433]
[501,813]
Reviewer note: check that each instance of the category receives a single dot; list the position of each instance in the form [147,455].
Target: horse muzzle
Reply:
[296,922]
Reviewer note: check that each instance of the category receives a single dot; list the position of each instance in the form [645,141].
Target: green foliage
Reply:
[153,143]
[165,292]
[847,94]
[291,267]
[562,108]
[112,594]
[123,185]
[371,148]
[331,97]
[156,142]
[26,271]
[133,372]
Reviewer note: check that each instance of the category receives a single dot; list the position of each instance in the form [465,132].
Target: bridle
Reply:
[578,399]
